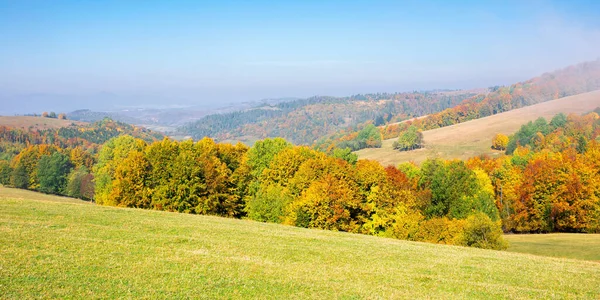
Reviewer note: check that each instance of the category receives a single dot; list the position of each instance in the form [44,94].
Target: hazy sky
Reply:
[188,52]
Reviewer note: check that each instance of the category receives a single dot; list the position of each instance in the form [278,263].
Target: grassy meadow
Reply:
[566,245]
[54,247]
[474,138]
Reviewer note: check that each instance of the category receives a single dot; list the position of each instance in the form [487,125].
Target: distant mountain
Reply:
[167,118]
[86,115]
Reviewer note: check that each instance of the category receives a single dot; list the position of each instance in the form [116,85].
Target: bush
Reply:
[481,232]
[441,231]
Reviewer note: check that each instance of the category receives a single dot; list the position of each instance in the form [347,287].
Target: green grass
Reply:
[567,245]
[53,247]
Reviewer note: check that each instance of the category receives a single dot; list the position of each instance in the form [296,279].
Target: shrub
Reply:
[481,232]
[441,231]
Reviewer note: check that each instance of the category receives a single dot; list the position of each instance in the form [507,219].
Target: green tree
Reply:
[369,137]
[558,121]
[52,173]
[345,154]
[19,177]
[268,204]
[410,139]
[453,187]
[263,152]
[5,171]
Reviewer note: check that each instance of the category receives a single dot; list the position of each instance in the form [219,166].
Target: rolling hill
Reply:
[474,137]
[53,247]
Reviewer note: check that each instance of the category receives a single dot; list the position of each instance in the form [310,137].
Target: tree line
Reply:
[274,181]
[52,170]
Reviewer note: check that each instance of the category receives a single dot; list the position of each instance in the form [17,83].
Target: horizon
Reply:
[99,56]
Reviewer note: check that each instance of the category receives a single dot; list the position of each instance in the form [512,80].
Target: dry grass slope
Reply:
[36,122]
[52,247]
[475,137]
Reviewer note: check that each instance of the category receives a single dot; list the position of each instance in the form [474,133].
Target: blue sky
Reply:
[191,52]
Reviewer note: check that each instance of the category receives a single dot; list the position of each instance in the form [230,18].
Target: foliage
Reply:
[52,173]
[80,184]
[410,139]
[268,204]
[499,142]
[19,177]
[345,154]
[276,182]
[481,232]
[5,171]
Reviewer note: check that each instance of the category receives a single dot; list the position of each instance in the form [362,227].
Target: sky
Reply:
[99,54]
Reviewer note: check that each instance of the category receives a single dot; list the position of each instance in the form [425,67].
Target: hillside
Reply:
[41,123]
[56,247]
[304,121]
[38,130]
[474,137]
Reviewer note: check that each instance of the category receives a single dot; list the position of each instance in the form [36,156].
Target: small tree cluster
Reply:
[410,139]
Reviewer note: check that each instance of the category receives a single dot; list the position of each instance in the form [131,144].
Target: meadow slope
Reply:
[41,123]
[473,138]
[52,247]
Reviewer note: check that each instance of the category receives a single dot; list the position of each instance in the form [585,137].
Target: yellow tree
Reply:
[499,142]
[329,203]
[129,187]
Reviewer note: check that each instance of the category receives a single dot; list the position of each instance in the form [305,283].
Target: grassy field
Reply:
[475,137]
[52,247]
[35,122]
[566,245]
